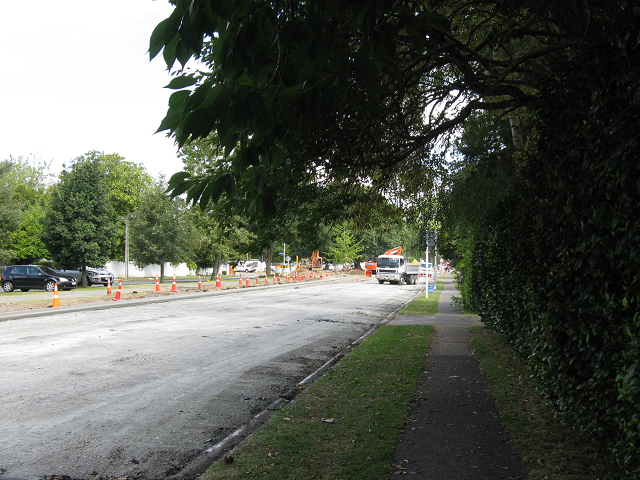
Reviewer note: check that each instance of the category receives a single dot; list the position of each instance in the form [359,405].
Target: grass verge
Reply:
[549,449]
[422,305]
[346,426]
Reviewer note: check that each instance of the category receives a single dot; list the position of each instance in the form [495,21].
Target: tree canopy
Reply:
[342,91]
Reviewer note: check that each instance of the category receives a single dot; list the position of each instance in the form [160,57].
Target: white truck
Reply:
[396,270]
[251,266]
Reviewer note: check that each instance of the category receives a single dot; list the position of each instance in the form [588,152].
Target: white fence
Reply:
[150,271]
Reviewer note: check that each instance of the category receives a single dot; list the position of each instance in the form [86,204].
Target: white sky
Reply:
[75,76]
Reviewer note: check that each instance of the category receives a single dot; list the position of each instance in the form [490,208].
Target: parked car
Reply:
[94,275]
[27,277]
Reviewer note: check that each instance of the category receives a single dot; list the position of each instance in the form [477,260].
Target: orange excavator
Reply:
[372,264]
[316,260]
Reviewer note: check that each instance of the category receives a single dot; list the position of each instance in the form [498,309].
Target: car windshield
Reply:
[388,262]
[49,271]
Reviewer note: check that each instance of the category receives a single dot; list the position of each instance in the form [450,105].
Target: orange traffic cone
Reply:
[218,281]
[118,293]
[274,277]
[199,282]
[240,278]
[108,286]
[257,278]
[287,278]
[56,300]
[174,287]
[247,280]
[266,279]
[157,284]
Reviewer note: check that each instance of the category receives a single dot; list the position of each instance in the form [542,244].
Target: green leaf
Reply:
[180,82]
[178,98]
[156,41]
[171,121]
[169,52]
[195,191]
[179,183]
[199,123]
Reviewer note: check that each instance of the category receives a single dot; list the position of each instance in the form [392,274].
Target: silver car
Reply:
[95,276]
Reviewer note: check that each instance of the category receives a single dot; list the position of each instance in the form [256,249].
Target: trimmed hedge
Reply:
[557,267]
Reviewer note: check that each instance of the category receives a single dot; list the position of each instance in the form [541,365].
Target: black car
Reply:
[27,277]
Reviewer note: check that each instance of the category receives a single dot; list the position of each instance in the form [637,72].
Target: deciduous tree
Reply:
[345,247]
[78,227]
[160,230]
[23,184]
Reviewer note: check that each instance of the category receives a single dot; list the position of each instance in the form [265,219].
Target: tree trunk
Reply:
[516,130]
[268,260]
[83,276]
[161,272]
[216,267]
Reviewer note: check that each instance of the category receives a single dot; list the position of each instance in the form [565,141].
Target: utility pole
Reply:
[426,264]
[126,247]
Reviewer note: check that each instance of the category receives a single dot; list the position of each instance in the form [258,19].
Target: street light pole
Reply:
[426,264]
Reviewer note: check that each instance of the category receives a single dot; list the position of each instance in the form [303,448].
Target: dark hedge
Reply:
[557,267]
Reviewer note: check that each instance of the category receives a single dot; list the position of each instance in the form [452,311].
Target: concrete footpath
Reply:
[454,431]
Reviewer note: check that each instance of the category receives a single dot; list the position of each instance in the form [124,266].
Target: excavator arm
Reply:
[394,251]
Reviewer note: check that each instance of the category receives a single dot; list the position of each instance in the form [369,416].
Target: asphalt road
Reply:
[140,391]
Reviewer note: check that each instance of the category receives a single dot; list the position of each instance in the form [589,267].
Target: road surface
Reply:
[141,391]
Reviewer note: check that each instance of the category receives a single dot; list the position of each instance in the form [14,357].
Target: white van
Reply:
[252,266]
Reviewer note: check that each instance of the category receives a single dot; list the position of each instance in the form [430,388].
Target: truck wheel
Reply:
[403,280]
[380,282]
